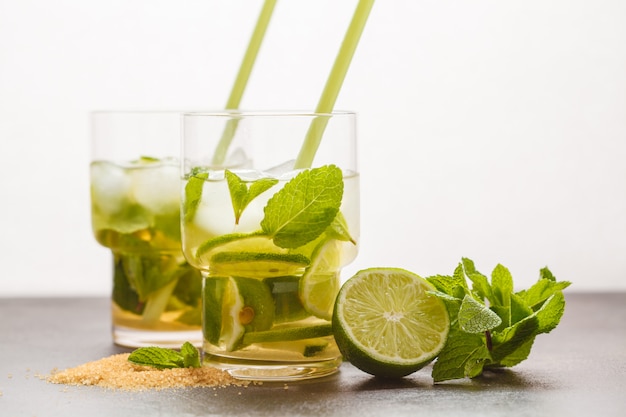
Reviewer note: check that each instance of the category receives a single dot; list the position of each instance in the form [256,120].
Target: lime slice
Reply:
[285,293]
[234,306]
[236,242]
[289,333]
[257,264]
[306,348]
[320,283]
[387,324]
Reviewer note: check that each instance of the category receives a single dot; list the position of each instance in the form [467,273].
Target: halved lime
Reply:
[387,324]
[257,264]
[234,306]
[320,283]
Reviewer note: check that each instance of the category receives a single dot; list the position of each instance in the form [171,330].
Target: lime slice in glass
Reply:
[285,293]
[236,242]
[320,283]
[257,264]
[234,306]
[289,333]
[386,322]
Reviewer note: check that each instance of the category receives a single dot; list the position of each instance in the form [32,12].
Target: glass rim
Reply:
[267,113]
[142,111]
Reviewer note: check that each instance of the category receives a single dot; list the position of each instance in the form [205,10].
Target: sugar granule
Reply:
[116,372]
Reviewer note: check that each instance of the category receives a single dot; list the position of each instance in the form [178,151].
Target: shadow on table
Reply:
[497,379]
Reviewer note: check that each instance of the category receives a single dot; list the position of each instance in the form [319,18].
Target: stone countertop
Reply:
[577,370]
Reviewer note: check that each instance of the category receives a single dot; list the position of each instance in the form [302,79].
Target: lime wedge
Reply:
[234,306]
[320,283]
[387,324]
[257,264]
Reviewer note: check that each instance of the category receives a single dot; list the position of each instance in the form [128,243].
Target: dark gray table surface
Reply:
[577,370]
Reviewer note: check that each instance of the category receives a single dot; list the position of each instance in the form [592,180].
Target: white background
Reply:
[494,130]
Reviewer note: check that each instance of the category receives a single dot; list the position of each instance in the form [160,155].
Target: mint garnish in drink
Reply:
[307,206]
[304,207]
[241,194]
[493,326]
[163,358]
[193,192]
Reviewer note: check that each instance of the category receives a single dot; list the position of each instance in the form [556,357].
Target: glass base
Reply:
[173,339]
[273,371]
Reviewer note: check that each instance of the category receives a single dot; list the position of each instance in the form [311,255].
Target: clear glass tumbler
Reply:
[135,207]
[270,215]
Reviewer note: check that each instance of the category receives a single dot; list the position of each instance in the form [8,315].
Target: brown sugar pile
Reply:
[116,372]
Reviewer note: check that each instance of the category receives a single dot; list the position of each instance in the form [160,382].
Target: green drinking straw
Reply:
[242,79]
[333,84]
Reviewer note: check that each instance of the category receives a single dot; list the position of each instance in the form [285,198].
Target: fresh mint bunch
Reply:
[492,326]
[163,358]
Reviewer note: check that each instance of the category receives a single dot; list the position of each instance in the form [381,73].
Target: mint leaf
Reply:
[549,315]
[518,355]
[241,195]
[163,358]
[463,356]
[519,309]
[156,357]
[480,284]
[193,193]
[455,285]
[191,356]
[149,273]
[123,293]
[543,289]
[446,284]
[475,317]
[338,229]
[502,286]
[508,341]
[304,207]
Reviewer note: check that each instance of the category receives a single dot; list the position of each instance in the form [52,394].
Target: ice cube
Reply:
[249,174]
[238,159]
[157,188]
[110,187]
[215,213]
[280,170]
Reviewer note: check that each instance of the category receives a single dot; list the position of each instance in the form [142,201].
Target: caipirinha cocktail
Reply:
[135,209]
[271,247]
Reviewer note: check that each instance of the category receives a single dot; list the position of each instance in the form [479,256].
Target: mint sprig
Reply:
[304,207]
[493,326]
[193,192]
[241,194]
[163,358]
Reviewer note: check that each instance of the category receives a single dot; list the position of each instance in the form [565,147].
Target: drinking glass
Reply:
[135,208]
[270,216]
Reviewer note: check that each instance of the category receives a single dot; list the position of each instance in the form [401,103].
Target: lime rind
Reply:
[258,265]
[387,323]
[224,302]
[284,290]
[232,330]
[255,241]
[320,283]
[289,334]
